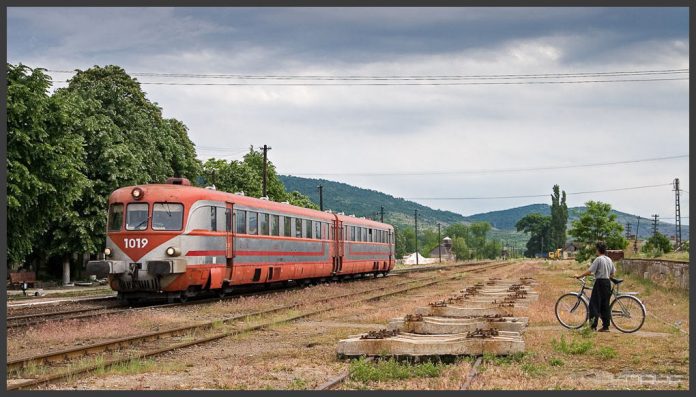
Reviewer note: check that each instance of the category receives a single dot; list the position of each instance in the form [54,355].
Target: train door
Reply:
[338,240]
[229,239]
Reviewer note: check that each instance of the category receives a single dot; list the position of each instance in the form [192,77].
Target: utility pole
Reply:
[635,242]
[265,168]
[381,213]
[439,244]
[542,245]
[416,219]
[321,197]
[628,229]
[677,213]
[655,218]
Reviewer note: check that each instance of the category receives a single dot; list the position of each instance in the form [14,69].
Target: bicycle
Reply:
[627,311]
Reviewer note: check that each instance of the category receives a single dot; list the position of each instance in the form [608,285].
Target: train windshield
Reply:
[167,216]
[115,217]
[136,216]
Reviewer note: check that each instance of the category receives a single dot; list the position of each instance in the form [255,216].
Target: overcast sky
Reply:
[337,130]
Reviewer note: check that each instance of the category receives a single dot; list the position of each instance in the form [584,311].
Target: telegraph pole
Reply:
[439,244]
[628,229]
[416,219]
[265,168]
[381,213]
[655,218]
[635,242]
[321,197]
[677,212]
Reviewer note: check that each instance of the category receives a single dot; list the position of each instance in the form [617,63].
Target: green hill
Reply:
[399,212]
[506,219]
[365,202]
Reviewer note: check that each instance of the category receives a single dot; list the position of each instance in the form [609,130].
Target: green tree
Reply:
[539,228]
[246,176]
[597,223]
[657,245]
[126,142]
[460,248]
[457,230]
[45,160]
[559,218]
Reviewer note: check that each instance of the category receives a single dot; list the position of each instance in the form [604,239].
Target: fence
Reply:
[660,271]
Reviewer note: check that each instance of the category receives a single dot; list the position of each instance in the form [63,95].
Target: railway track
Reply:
[26,320]
[150,344]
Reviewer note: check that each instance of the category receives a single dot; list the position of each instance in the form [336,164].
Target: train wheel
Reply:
[183,298]
[221,293]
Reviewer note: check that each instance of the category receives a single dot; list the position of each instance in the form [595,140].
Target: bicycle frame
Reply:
[614,293]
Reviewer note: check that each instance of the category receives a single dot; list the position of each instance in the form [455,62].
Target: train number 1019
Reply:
[135,242]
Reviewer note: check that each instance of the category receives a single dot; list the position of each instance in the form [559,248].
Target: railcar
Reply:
[177,241]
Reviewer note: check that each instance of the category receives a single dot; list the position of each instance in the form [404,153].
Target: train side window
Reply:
[307,232]
[228,220]
[370,239]
[263,224]
[241,221]
[136,216]
[275,225]
[115,217]
[287,226]
[359,238]
[317,230]
[253,222]
[298,228]
[220,219]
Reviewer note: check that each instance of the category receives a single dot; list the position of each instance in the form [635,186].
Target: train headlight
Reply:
[171,251]
[107,251]
[137,193]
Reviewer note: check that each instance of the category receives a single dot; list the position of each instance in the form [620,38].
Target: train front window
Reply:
[115,217]
[167,216]
[136,216]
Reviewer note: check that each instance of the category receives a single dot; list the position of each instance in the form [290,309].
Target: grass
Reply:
[556,362]
[297,384]
[606,352]
[364,371]
[574,347]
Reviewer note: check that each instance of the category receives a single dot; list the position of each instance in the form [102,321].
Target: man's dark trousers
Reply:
[599,303]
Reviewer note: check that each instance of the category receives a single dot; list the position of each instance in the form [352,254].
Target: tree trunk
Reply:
[66,269]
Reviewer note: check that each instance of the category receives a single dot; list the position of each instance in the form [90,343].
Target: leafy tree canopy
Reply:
[598,223]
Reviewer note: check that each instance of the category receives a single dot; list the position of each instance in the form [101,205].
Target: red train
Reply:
[177,241]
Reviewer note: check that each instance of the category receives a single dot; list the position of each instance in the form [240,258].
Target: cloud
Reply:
[387,129]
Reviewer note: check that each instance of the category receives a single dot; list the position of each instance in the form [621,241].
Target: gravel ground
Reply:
[295,355]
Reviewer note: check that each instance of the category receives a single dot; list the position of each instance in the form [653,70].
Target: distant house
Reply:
[570,248]
[444,249]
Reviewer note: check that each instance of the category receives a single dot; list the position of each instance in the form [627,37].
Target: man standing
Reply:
[603,269]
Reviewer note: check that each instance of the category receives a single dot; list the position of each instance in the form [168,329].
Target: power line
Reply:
[162,83]
[403,77]
[536,195]
[493,171]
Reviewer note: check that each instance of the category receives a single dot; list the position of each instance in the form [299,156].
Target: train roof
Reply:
[189,194]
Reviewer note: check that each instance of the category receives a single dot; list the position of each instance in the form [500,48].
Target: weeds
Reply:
[606,352]
[574,347]
[362,370]
[556,362]
[532,369]
[298,384]
[503,360]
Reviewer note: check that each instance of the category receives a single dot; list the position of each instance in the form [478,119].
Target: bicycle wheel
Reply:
[571,311]
[627,313]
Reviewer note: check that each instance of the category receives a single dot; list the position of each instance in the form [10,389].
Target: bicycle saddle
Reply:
[616,280]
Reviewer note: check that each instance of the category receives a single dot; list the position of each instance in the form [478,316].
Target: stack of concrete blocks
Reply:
[478,319]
